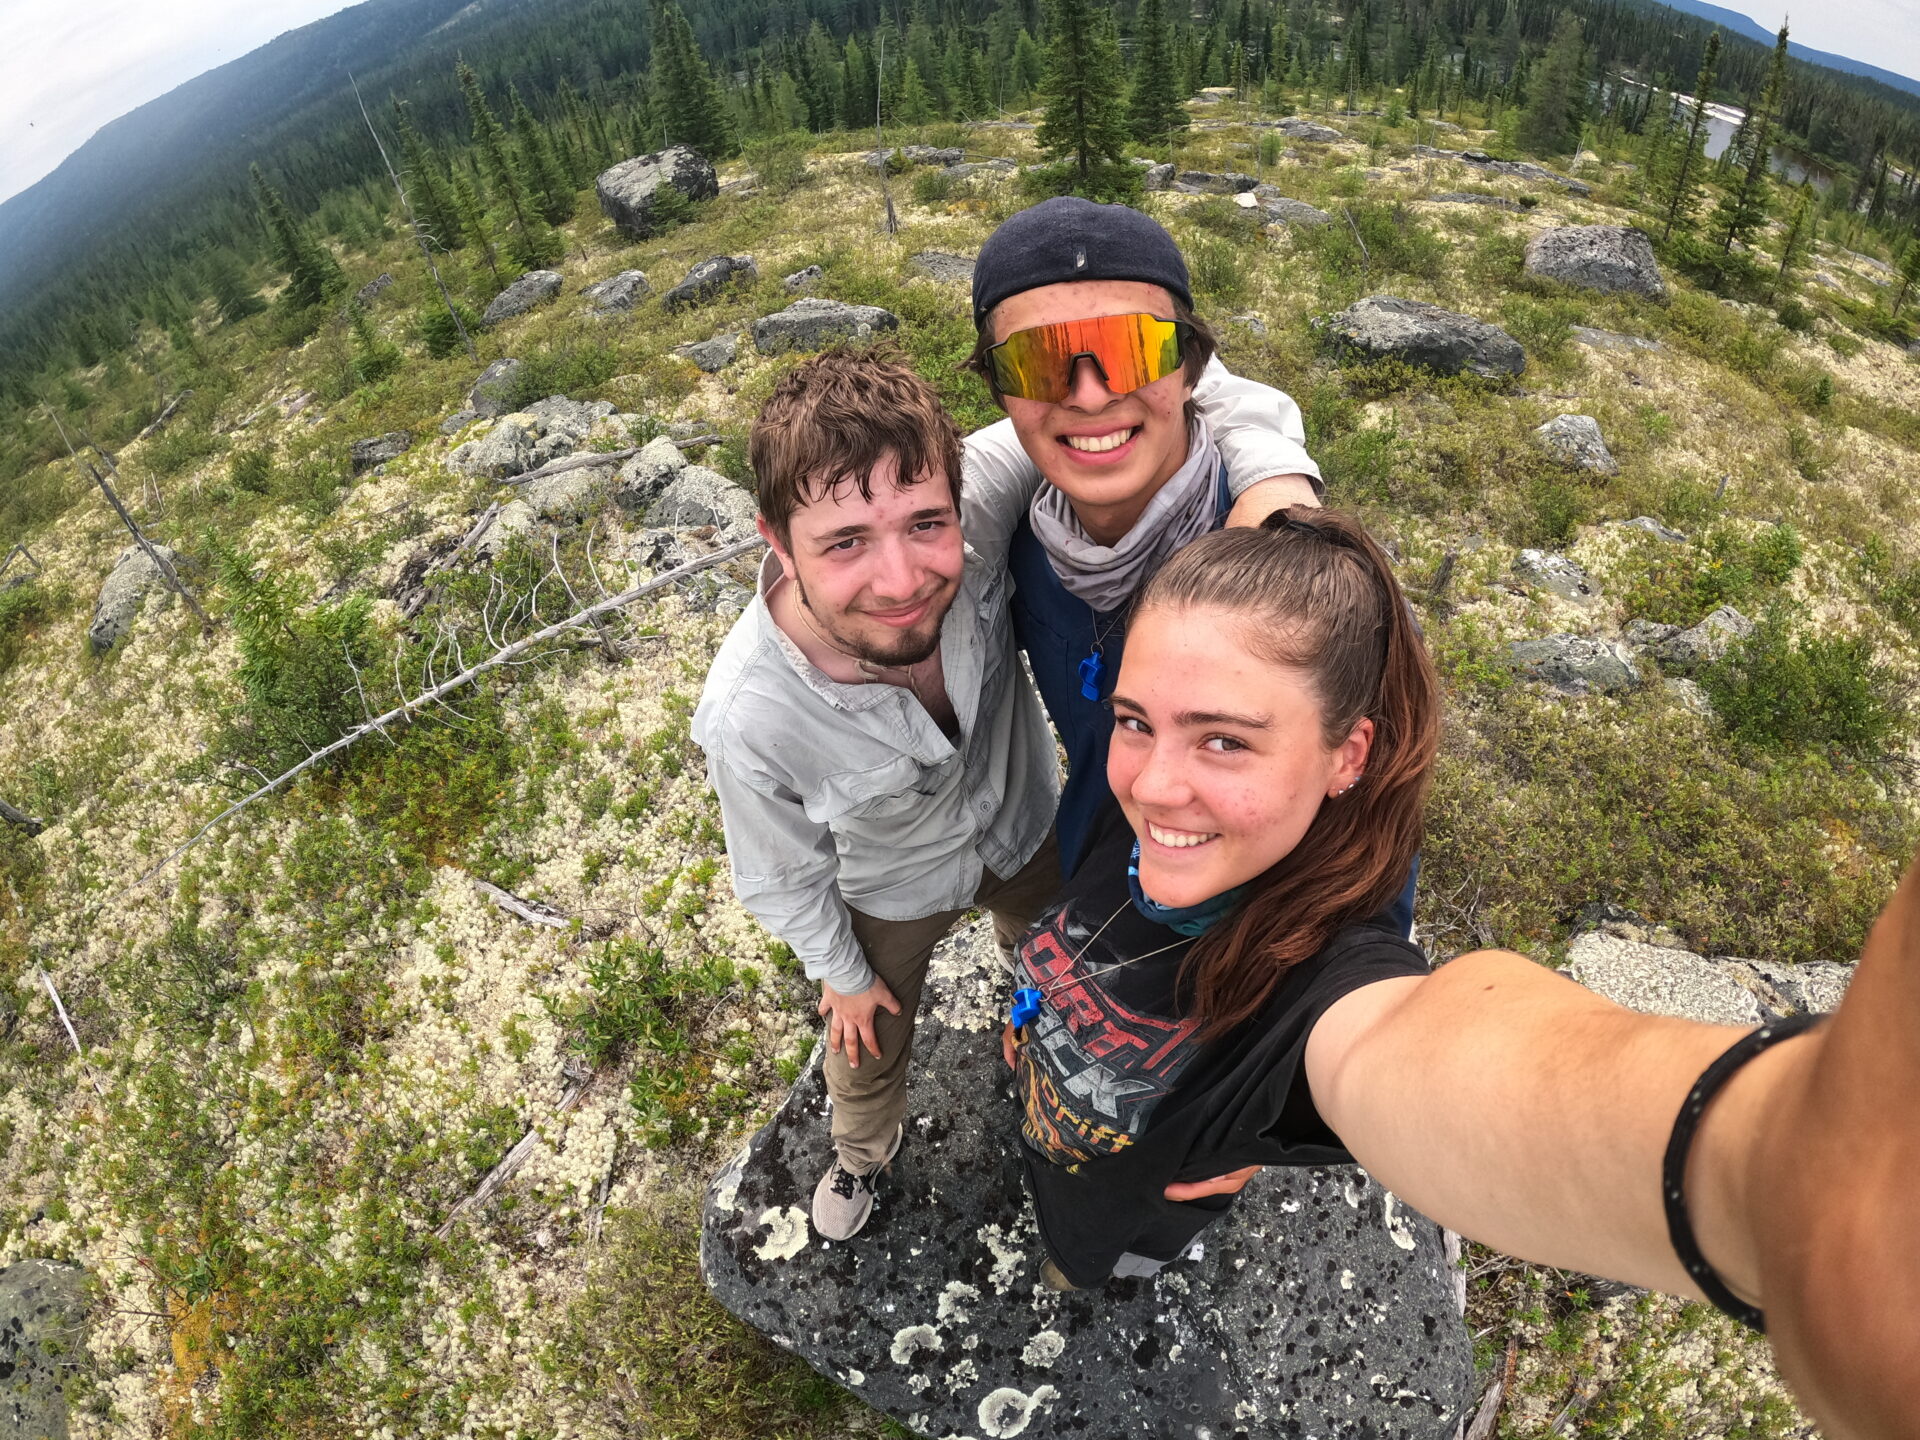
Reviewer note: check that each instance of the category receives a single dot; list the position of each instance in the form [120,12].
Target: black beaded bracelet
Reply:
[1673,1170]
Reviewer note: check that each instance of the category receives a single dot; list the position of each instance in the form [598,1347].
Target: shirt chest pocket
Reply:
[892,792]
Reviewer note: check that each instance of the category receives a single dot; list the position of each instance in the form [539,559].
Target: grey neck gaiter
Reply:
[1107,577]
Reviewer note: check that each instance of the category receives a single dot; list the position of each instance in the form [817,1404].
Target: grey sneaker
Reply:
[843,1199]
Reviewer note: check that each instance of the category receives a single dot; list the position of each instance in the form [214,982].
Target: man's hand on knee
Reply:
[850,1019]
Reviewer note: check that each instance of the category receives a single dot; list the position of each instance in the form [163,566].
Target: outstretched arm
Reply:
[1516,1107]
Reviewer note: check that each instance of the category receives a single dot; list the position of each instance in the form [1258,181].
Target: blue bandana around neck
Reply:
[1190,920]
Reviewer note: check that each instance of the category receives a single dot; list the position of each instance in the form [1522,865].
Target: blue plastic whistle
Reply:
[1091,669]
[1026,1006]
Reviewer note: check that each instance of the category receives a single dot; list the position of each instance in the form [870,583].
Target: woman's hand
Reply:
[1009,1044]
[1229,1184]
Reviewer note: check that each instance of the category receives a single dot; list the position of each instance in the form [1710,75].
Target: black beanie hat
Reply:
[1067,238]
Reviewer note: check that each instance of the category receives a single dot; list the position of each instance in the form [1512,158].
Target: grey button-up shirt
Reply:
[839,795]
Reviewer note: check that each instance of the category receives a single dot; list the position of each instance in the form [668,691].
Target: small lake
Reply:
[1723,120]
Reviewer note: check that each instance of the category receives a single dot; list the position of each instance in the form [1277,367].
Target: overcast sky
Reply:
[69,66]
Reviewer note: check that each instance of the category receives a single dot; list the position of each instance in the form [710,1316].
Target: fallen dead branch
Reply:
[403,713]
[531,911]
[19,817]
[511,1162]
[166,414]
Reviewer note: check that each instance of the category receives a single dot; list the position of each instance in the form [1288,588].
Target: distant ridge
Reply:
[1734,23]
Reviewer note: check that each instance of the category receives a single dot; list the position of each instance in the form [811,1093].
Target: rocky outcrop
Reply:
[697,496]
[1611,340]
[946,269]
[1576,664]
[571,497]
[918,155]
[708,279]
[801,281]
[546,430]
[536,287]
[814,324]
[1277,209]
[1647,968]
[629,192]
[1707,641]
[43,1313]
[618,293]
[1203,182]
[1158,177]
[711,355]
[1553,573]
[1386,327]
[1519,169]
[373,289]
[1462,197]
[1320,1306]
[1609,259]
[492,393]
[1252,324]
[379,449]
[1576,440]
[1307,130]
[1648,525]
[133,575]
[644,476]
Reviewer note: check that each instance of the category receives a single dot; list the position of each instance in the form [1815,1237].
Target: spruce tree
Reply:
[531,244]
[915,106]
[1743,209]
[313,275]
[1155,113]
[856,86]
[473,220]
[1689,157]
[1909,273]
[232,293]
[427,189]
[1796,244]
[1548,126]
[689,97]
[586,152]
[1084,124]
[1029,66]
[551,186]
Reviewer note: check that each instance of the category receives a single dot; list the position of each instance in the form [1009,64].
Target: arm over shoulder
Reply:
[1259,429]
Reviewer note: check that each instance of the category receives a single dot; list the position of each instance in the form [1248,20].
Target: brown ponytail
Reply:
[1319,596]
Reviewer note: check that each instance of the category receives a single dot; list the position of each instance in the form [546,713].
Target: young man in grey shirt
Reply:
[881,761]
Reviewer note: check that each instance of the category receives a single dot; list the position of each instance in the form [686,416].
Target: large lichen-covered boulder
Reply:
[506,449]
[708,279]
[696,497]
[1705,641]
[1576,440]
[1387,327]
[133,575]
[643,477]
[1610,259]
[492,393]
[617,293]
[378,449]
[814,324]
[536,287]
[43,1311]
[1576,664]
[1297,129]
[1320,1306]
[629,192]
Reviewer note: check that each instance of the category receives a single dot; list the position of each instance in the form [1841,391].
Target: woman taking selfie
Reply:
[1209,996]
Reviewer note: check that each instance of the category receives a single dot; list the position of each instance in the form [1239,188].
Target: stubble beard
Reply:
[908,648]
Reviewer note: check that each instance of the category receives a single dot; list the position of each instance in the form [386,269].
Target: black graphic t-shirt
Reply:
[1108,1044]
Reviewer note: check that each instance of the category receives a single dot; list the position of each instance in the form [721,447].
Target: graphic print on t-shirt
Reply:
[1092,1067]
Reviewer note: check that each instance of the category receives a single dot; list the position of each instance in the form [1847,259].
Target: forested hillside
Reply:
[384,1108]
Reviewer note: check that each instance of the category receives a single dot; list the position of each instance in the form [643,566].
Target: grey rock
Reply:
[617,293]
[1319,1306]
[1687,695]
[1519,169]
[1158,177]
[373,289]
[558,416]
[1576,664]
[1611,340]
[379,449]
[1203,182]
[1812,987]
[945,268]
[43,1319]
[458,421]
[1610,259]
[1306,130]
[1462,197]
[1554,573]
[1389,327]
[571,496]
[803,280]
[994,169]
[1656,980]
[1647,632]
[536,287]
[133,575]
[628,192]
[711,355]
[1281,210]
[662,550]
[1651,526]
[918,155]
[644,476]
[1251,323]
[1576,440]
[732,601]
[505,450]
[814,324]
[516,518]
[698,496]
[1706,641]
[492,393]
[708,278]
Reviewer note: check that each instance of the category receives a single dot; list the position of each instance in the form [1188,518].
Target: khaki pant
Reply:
[871,1101]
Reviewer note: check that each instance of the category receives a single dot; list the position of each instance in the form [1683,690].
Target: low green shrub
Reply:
[1779,690]
[1678,584]
[576,369]
[434,328]
[251,470]
[1106,182]
[932,187]
[1369,241]
[22,608]
[779,163]
[1219,271]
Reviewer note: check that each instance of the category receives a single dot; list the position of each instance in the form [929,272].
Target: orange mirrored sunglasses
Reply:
[1129,350]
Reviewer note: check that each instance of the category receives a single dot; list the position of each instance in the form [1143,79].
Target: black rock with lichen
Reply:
[1320,1306]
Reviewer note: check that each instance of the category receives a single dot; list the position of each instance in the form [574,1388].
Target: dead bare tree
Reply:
[521,651]
[160,561]
[166,414]
[19,550]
